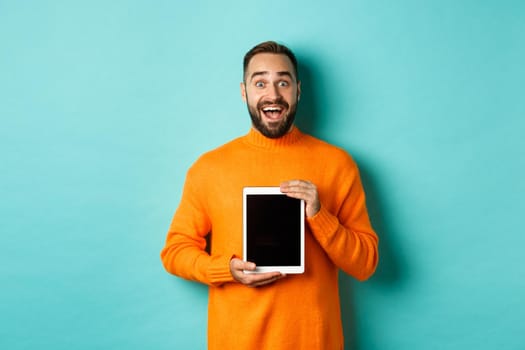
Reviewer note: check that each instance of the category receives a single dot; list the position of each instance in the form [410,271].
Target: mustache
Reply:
[278,101]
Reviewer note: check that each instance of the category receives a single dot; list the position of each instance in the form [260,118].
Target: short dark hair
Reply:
[269,47]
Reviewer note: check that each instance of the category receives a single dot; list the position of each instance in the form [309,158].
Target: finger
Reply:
[309,195]
[239,265]
[293,184]
[259,280]
[247,266]
[238,268]
[256,279]
[298,186]
[305,190]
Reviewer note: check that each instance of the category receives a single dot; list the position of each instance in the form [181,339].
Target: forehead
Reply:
[271,63]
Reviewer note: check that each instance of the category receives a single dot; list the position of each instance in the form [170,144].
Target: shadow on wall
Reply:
[307,109]
[388,274]
[391,271]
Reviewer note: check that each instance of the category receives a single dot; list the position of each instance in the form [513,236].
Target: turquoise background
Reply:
[105,104]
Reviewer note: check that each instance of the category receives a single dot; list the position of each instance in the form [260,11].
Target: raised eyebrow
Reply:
[283,73]
[256,74]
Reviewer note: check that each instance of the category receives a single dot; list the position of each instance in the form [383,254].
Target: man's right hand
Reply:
[237,268]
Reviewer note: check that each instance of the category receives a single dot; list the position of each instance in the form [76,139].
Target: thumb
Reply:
[238,264]
[249,266]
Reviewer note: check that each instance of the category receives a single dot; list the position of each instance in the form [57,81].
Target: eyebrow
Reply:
[282,73]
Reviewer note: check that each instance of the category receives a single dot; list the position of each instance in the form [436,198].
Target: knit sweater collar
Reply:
[255,138]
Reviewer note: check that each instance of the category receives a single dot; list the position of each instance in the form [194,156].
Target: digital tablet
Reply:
[273,230]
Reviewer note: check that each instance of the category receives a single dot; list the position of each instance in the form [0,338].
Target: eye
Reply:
[283,83]
[259,84]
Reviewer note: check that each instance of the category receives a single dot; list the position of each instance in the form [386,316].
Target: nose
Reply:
[273,91]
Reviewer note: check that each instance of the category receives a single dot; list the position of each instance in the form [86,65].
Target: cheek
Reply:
[252,98]
[291,93]
[292,97]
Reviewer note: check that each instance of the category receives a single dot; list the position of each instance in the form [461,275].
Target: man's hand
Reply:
[237,268]
[305,190]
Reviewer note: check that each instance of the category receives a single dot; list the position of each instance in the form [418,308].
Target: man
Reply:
[271,310]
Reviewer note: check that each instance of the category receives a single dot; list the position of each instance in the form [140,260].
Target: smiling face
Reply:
[271,91]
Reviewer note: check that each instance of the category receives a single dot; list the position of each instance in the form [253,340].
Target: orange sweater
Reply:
[297,312]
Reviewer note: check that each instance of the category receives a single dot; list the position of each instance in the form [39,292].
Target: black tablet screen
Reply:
[273,224]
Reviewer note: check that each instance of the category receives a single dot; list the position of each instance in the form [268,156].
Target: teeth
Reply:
[271,109]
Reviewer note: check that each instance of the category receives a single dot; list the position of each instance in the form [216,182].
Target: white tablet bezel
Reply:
[272,191]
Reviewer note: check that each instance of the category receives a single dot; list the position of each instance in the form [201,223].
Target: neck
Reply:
[256,138]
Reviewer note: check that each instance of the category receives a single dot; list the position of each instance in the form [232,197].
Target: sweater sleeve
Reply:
[345,232]
[184,253]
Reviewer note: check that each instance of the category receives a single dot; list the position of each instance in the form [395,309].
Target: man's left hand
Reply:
[305,190]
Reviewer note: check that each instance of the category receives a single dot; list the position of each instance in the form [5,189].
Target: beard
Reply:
[275,129]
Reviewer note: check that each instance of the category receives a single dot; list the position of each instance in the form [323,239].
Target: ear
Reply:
[243,91]
[298,90]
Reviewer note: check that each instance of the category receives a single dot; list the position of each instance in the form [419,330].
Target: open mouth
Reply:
[273,112]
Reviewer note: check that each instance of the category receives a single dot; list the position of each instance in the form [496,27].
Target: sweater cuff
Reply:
[219,270]
[323,224]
